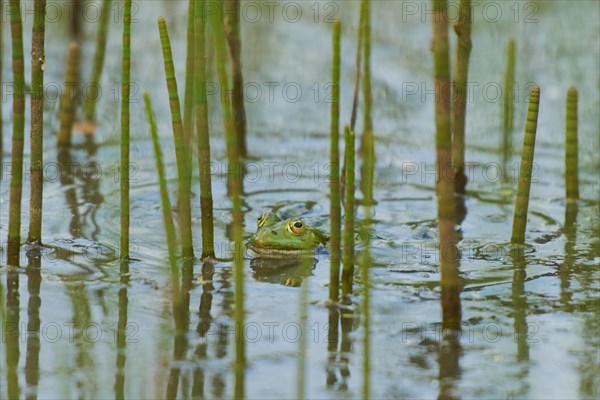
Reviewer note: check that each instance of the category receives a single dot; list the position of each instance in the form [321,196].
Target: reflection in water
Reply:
[303,323]
[11,333]
[347,324]
[570,232]
[333,332]
[84,359]
[122,336]
[204,323]
[89,173]
[32,359]
[449,354]
[450,350]
[287,271]
[181,302]
[519,301]
[339,361]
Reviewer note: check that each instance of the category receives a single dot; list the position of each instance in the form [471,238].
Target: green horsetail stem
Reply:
[235,49]
[368,139]
[188,97]
[16,181]
[365,264]
[37,122]
[125,90]
[461,77]
[235,190]
[334,158]
[571,147]
[164,196]
[92,95]
[359,46]
[509,89]
[202,133]
[444,178]
[522,200]
[180,151]
[67,100]
[234,168]
[1,63]
[348,270]
[366,81]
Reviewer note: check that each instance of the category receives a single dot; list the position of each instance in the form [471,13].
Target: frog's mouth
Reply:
[266,252]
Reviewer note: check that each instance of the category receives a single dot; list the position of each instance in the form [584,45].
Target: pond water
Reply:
[77,300]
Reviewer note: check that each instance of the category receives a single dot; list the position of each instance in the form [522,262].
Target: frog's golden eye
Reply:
[261,220]
[296,227]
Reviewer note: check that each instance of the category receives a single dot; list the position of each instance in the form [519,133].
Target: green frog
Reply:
[277,237]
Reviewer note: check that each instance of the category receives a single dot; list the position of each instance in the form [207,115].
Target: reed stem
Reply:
[92,95]
[348,268]
[233,34]
[14,217]
[37,122]
[461,77]
[125,90]
[522,200]
[334,158]
[444,173]
[185,217]
[509,89]
[571,147]
[202,133]
[67,101]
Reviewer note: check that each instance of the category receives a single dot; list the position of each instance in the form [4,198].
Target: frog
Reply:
[278,237]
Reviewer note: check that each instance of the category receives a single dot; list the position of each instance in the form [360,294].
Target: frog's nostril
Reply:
[274,232]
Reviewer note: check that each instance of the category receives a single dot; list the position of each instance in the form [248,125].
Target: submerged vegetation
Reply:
[381,235]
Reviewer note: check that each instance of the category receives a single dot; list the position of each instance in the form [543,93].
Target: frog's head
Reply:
[276,235]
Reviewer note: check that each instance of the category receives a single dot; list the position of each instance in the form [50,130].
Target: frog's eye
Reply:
[261,220]
[296,227]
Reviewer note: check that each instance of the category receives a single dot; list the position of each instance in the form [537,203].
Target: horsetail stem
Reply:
[365,264]
[180,151]
[348,270]
[1,63]
[368,139]
[235,49]
[202,133]
[37,122]
[522,200]
[164,193]
[571,147]
[67,100]
[14,217]
[461,77]
[188,97]
[92,95]
[124,176]
[509,83]
[228,124]
[448,250]
[334,158]
[235,190]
